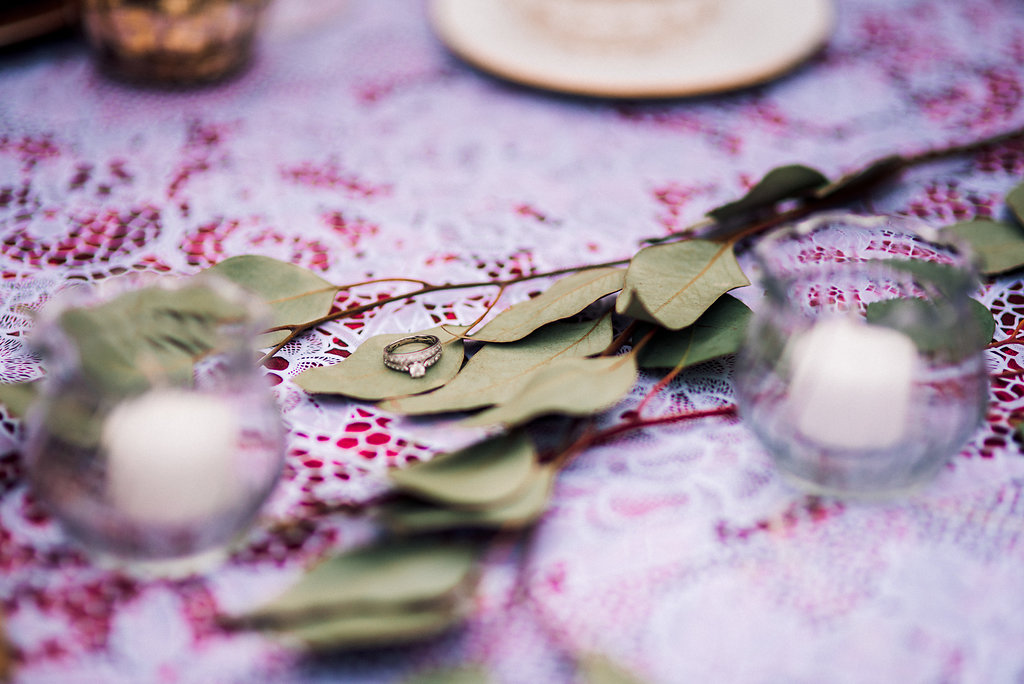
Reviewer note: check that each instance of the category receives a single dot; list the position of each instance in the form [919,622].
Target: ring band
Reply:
[415,362]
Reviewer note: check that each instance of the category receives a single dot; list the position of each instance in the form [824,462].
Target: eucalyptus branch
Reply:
[298,329]
[868,177]
[859,183]
[592,437]
[1013,338]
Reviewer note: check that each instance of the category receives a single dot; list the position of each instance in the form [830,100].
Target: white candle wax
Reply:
[169,456]
[851,383]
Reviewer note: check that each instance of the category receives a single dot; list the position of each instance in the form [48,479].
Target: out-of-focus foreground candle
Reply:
[170,456]
[851,383]
[848,407]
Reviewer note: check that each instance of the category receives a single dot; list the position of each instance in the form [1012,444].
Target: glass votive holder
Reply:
[172,42]
[863,370]
[156,439]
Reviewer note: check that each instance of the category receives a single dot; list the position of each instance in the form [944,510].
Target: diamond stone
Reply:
[417,369]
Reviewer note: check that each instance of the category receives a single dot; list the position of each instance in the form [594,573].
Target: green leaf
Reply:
[75,418]
[500,371]
[597,669]
[573,387]
[480,475]
[920,320]
[567,297]
[1015,200]
[853,184]
[148,336]
[950,280]
[373,629]
[16,398]
[462,675]
[984,322]
[393,576]
[672,285]
[719,331]
[409,516]
[363,375]
[295,295]
[786,182]
[999,246]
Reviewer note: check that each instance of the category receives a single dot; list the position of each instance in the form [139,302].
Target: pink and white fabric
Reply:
[358,147]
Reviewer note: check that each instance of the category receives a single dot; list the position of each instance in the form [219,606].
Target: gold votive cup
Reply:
[172,42]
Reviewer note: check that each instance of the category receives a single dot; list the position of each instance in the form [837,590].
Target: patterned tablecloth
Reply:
[357,146]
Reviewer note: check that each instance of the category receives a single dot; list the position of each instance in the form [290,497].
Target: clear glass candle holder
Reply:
[863,369]
[160,453]
[172,42]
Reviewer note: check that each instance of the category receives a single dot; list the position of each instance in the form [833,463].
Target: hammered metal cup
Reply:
[172,42]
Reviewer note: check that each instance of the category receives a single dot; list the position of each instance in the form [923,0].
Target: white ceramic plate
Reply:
[745,42]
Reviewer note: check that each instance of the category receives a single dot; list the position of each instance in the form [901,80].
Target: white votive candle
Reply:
[169,456]
[851,383]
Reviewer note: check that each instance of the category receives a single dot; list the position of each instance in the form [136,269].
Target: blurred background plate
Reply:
[745,42]
[22,20]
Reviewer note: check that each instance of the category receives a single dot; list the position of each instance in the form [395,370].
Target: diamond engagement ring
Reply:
[417,361]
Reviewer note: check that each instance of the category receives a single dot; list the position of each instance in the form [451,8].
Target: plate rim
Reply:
[444,18]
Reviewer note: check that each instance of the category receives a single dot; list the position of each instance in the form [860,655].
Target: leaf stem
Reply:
[591,437]
[1012,338]
[660,385]
[490,307]
[639,423]
[620,339]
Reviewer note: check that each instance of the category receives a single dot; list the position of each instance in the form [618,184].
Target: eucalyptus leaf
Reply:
[946,278]
[410,516]
[462,675]
[393,576]
[786,182]
[573,387]
[854,183]
[76,418]
[16,398]
[672,285]
[363,375]
[149,336]
[295,294]
[1015,200]
[719,331]
[598,669]
[1000,246]
[373,629]
[499,371]
[920,320]
[565,298]
[483,474]
[984,322]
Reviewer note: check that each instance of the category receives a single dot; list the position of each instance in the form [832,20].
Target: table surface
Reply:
[359,147]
